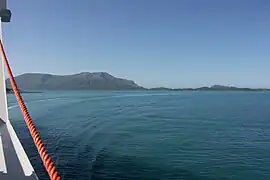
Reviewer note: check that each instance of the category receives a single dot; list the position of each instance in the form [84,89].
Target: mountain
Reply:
[81,81]
[211,88]
[227,88]
[96,81]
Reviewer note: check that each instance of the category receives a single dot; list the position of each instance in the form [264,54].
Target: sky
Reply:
[175,43]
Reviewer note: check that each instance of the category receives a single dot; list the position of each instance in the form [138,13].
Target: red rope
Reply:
[47,161]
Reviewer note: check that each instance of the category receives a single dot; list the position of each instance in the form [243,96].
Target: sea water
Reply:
[150,135]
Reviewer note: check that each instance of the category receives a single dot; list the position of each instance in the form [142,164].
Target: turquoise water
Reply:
[150,135]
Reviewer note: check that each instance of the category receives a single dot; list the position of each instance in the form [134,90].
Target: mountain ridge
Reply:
[99,81]
[211,88]
[78,81]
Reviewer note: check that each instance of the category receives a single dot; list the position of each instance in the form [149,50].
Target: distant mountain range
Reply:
[97,81]
[212,88]
[81,81]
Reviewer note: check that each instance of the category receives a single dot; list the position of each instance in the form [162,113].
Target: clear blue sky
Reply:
[175,43]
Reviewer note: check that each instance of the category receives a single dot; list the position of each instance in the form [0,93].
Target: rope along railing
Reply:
[47,161]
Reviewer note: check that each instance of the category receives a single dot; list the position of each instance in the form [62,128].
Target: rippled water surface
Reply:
[150,135]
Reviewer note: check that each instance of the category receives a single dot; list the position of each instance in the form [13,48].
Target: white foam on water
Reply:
[37,101]
[11,107]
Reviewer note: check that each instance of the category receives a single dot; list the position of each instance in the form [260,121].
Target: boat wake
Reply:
[37,101]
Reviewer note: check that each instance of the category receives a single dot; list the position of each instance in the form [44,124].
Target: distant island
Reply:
[211,88]
[10,91]
[30,82]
